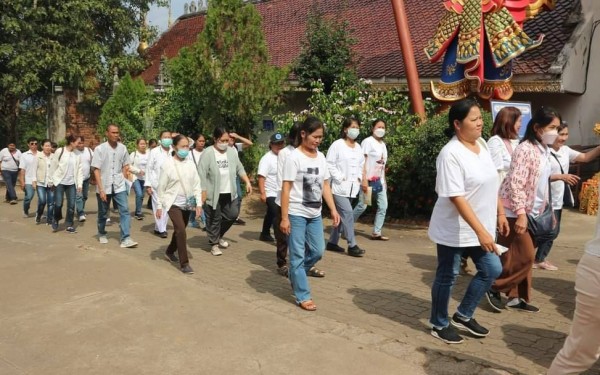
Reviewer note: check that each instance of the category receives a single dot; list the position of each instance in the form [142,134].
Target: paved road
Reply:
[70,305]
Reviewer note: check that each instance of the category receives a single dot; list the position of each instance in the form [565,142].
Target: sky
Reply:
[159,16]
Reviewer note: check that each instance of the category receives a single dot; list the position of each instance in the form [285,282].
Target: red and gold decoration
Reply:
[479,39]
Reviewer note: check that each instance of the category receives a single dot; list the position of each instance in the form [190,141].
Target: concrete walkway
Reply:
[73,306]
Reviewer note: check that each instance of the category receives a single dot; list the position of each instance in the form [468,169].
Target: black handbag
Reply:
[542,226]
[568,200]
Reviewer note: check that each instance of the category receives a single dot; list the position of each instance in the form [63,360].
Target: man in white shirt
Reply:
[157,157]
[86,155]
[27,173]
[267,184]
[9,167]
[109,165]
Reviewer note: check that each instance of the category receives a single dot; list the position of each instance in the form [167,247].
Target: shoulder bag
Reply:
[542,226]
[568,200]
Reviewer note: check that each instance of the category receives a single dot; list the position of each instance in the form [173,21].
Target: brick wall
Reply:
[82,118]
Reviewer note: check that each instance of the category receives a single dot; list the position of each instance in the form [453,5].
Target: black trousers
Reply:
[272,208]
[220,218]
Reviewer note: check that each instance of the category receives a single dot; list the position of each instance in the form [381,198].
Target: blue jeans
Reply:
[29,193]
[10,179]
[382,204]
[309,232]
[120,199]
[82,197]
[544,247]
[138,188]
[45,195]
[489,268]
[70,191]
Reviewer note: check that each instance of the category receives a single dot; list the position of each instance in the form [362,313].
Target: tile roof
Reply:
[372,21]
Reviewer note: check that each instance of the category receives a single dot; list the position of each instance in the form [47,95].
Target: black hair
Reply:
[31,139]
[542,118]
[563,125]
[152,141]
[459,111]
[309,126]
[43,142]
[71,138]
[54,145]
[375,122]
[293,134]
[176,140]
[348,121]
[163,132]
[219,131]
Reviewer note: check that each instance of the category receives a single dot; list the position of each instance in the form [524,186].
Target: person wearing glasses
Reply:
[27,171]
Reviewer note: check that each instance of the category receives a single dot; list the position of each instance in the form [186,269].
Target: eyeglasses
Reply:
[33,144]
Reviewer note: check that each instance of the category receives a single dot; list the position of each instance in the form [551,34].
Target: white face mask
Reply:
[379,132]
[222,146]
[353,133]
[549,137]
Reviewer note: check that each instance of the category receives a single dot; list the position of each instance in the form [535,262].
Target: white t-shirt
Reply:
[86,161]
[8,163]
[283,154]
[461,172]
[565,155]
[377,155]
[223,164]
[69,178]
[194,156]
[501,155]
[267,167]
[28,163]
[140,161]
[541,195]
[308,176]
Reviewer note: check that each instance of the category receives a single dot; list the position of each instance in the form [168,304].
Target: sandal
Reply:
[307,305]
[379,237]
[283,271]
[315,272]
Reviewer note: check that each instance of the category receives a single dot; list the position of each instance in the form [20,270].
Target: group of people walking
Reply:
[499,201]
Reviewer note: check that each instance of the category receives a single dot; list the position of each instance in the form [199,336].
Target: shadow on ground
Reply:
[441,362]
[561,293]
[536,344]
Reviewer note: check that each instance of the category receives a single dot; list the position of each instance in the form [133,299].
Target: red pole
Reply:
[408,56]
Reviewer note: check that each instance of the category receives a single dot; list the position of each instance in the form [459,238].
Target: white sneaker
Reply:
[103,239]
[224,244]
[81,218]
[128,242]
[108,222]
[216,251]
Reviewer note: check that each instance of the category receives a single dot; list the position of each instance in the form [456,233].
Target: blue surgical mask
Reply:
[166,142]
[183,153]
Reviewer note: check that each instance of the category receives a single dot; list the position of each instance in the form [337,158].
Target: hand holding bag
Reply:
[542,226]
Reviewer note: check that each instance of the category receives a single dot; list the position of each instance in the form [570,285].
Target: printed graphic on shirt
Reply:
[312,188]
[223,164]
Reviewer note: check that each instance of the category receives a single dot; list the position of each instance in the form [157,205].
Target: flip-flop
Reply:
[315,272]
[379,238]
[307,305]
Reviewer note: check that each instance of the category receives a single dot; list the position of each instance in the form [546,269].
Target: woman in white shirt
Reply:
[375,152]
[305,186]
[504,139]
[179,193]
[464,219]
[561,156]
[41,182]
[139,161]
[66,177]
[346,162]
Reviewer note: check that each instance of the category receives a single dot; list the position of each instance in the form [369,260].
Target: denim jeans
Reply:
[382,204]
[309,232]
[344,208]
[10,179]
[45,195]
[70,191]
[489,268]
[82,197]
[544,247]
[29,193]
[138,188]
[120,199]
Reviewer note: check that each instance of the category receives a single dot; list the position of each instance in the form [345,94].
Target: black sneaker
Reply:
[172,257]
[447,335]
[266,238]
[495,300]
[333,247]
[164,234]
[356,251]
[38,219]
[187,270]
[239,221]
[523,306]
[470,326]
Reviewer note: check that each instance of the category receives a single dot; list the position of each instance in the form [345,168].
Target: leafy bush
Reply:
[412,147]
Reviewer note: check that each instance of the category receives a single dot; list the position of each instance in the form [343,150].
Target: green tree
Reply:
[326,53]
[45,41]
[226,74]
[126,108]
